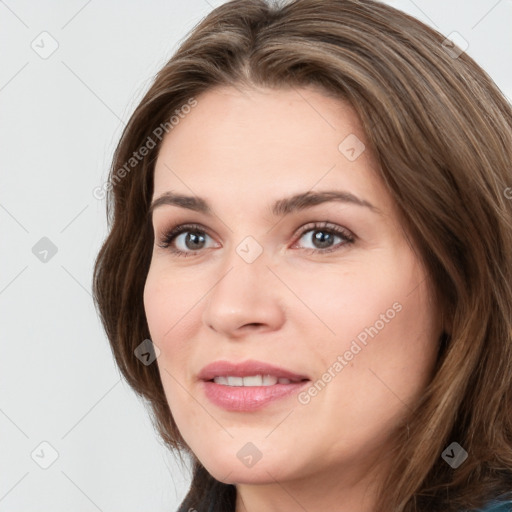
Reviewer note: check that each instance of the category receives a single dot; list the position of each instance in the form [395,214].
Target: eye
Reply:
[325,237]
[185,240]
[189,239]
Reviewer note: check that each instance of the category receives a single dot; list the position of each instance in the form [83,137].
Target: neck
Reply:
[342,489]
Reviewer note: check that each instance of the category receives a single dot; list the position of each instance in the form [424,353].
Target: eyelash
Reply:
[347,237]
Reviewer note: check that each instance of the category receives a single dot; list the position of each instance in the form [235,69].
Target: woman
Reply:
[308,269]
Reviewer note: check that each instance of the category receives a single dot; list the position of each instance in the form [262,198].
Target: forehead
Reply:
[258,143]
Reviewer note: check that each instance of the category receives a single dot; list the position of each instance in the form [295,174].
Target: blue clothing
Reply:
[492,506]
[497,506]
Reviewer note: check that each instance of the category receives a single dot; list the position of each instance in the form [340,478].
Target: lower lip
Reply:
[248,398]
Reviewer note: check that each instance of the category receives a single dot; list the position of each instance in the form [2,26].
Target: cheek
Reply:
[169,311]
[166,301]
[384,305]
[385,332]
[169,307]
[340,303]
[156,301]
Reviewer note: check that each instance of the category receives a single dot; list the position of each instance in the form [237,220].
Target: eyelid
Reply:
[329,226]
[167,236]
[174,231]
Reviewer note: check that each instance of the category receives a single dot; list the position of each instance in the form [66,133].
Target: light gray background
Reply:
[60,119]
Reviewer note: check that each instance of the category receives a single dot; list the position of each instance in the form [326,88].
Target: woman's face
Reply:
[281,271]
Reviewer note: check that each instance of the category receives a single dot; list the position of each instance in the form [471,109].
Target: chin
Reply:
[247,476]
[235,472]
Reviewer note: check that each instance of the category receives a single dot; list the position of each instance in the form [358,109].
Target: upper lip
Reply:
[245,369]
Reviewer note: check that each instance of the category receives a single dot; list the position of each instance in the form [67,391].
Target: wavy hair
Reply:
[441,131]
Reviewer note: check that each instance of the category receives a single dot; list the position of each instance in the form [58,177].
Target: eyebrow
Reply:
[281,207]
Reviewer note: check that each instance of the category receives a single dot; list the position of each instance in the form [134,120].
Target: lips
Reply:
[217,379]
[247,369]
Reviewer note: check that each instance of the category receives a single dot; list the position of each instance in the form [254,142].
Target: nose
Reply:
[245,298]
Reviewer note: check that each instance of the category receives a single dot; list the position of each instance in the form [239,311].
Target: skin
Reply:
[242,150]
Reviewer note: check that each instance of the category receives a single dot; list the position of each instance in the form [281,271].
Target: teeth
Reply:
[253,380]
[235,381]
[266,380]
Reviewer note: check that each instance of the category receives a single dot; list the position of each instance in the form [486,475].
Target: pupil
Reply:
[193,238]
[323,239]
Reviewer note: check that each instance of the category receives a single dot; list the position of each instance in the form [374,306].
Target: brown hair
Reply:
[441,131]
